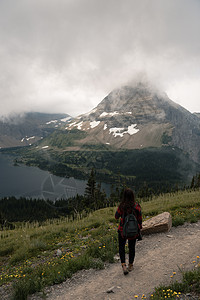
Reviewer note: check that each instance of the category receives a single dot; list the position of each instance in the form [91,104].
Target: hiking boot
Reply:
[130,267]
[124,268]
[139,238]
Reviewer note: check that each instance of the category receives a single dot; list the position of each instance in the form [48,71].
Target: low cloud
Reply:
[65,56]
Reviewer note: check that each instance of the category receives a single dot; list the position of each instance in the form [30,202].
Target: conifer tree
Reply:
[114,196]
[90,191]
[192,183]
[94,197]
[100,197]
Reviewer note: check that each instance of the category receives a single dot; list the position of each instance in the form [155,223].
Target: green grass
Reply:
[184,206]
[28,254]
[190,284]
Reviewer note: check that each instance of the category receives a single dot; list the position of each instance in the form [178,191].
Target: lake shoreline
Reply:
[20,180]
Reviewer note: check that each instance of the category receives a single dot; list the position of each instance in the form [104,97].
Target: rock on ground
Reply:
[159,223]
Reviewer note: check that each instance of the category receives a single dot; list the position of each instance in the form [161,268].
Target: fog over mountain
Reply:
[64,56]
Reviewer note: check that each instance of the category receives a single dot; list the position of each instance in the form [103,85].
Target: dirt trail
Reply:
[157,257]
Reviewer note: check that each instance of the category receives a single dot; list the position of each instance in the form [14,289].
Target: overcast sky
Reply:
[67,55]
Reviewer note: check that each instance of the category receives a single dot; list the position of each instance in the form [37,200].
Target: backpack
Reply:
[130,227]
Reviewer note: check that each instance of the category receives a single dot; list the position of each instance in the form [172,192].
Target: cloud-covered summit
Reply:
[65,56]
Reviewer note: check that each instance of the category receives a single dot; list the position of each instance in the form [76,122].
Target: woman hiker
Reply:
[127,206]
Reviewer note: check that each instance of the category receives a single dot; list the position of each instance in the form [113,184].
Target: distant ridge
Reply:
[29,128]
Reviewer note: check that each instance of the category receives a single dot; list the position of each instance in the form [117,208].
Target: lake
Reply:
[32,182]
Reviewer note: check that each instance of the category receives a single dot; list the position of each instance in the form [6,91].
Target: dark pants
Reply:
[131,246]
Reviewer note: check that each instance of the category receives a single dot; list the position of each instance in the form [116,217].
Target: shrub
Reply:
[178,220]
[22,288]
[37,246]
[18,256]
[6,250]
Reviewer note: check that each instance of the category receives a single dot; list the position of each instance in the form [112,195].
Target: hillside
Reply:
[30,259]
[154,255]
[23,130]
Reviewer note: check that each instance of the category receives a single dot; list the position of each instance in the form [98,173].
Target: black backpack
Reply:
[130,227]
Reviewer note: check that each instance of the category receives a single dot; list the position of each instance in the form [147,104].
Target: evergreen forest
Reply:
[13,210]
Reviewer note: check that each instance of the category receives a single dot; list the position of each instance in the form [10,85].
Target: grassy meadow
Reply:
[35,255]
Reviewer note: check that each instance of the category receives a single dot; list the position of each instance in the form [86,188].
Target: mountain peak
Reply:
[140,116]
[140,100]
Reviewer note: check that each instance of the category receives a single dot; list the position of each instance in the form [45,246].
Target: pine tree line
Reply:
[29,210]
[23,210]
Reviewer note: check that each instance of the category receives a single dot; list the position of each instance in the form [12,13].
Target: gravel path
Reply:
[157,257]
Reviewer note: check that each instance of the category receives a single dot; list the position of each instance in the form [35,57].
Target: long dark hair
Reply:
[128,200]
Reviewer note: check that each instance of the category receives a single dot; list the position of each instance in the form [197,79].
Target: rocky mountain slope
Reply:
[29,128]
[136,117]
[197,114]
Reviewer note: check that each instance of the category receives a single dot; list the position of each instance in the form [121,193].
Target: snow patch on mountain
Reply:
[132,130]
[72,124]
[105,114]
[94,124]
[27,138]
[30,138]
[116,131]
[65,119]
[111,114]
[56,121]
[121,131]
[52,121]
[79,125]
